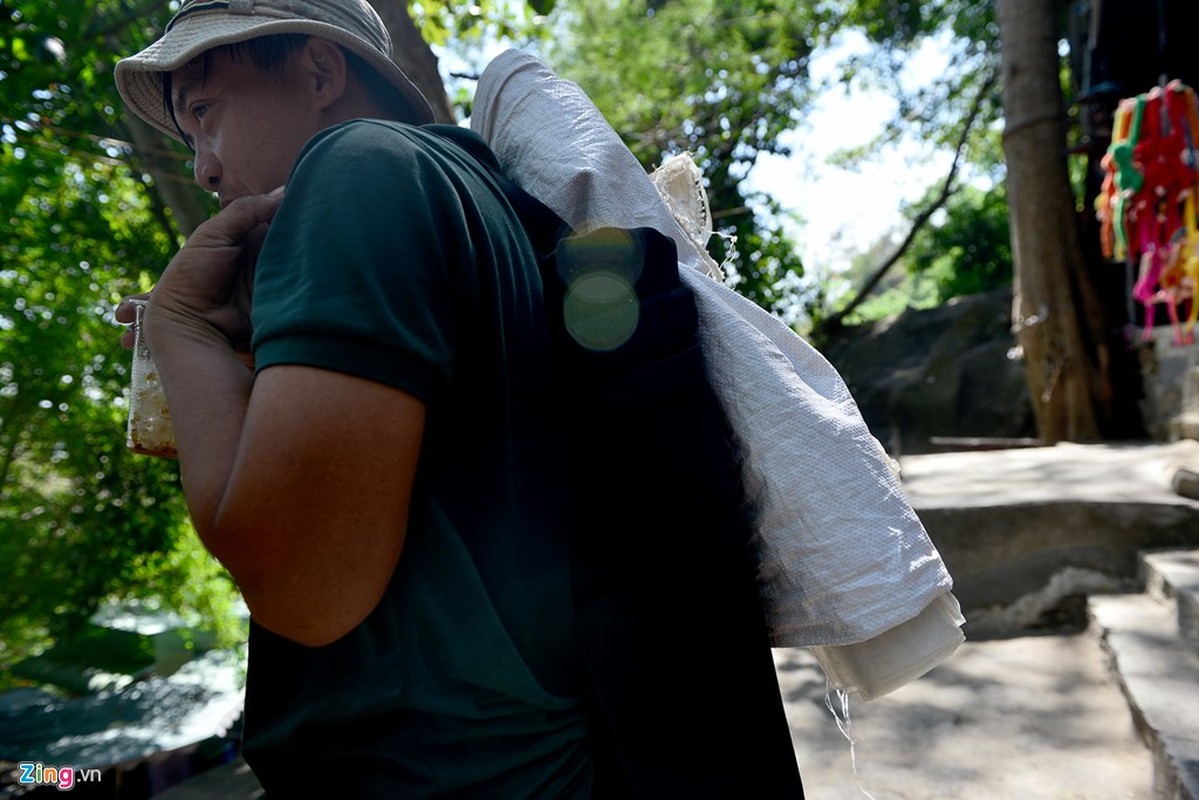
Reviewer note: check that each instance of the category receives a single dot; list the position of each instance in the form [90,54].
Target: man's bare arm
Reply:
[297,481]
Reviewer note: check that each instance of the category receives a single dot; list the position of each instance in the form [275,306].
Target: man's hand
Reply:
[207,285]
[126,312]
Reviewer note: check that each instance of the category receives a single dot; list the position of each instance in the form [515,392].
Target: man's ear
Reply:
[327,70]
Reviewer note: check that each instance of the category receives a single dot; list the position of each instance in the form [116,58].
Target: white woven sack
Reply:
[842,558]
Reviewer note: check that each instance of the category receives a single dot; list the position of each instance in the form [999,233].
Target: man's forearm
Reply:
[208,391]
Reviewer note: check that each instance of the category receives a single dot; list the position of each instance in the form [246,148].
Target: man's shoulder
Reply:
[366,137]
[384,151]
[396,139]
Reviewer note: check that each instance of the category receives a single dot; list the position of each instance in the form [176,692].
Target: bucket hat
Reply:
[201,25]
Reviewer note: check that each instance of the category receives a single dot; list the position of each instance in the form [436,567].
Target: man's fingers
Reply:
[126,310]
[200,283]
[237,219]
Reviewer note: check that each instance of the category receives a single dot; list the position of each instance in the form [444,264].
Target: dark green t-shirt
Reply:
[394,257]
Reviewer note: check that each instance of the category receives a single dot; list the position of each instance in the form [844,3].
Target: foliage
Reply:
[81,520]
[959,110]
[722,80]
[83,223]
[80,517]
[470,36]
[965,249]
[443,24]
[968,248]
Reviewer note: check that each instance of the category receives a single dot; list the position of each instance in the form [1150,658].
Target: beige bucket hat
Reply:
[201,25]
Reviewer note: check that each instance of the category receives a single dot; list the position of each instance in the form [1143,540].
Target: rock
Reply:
[940,372]
[1186,483]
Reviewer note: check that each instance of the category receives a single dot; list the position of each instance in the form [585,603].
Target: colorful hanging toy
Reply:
[1147,205]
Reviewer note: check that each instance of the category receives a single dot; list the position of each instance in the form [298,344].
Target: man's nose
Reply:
[208,169]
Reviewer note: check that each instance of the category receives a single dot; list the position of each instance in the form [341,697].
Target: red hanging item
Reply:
[1146,206]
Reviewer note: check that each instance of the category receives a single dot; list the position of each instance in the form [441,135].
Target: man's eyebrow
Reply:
[184,88]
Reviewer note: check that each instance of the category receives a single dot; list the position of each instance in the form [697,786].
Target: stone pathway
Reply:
[1034,718]
[1031,718]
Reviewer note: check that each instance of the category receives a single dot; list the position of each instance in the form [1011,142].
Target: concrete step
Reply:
[1028,533]
[1159,675]
[1173,576]
[1186,481]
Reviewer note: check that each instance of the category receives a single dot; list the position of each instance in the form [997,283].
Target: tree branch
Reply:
[112,26]
[414,56]
[835,321]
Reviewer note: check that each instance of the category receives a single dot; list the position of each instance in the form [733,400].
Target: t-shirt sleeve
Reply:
[361,270]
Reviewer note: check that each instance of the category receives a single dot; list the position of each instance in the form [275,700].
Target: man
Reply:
[373,447]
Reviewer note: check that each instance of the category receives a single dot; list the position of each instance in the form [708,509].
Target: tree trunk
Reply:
[414,56]
[1066,384]
[174,187]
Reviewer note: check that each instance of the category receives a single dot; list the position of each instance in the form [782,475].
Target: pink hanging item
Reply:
[1146,206]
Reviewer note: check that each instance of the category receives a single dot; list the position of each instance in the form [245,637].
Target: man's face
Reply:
[246,125]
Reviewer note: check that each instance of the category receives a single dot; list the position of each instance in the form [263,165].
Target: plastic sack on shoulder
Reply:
[844,565]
